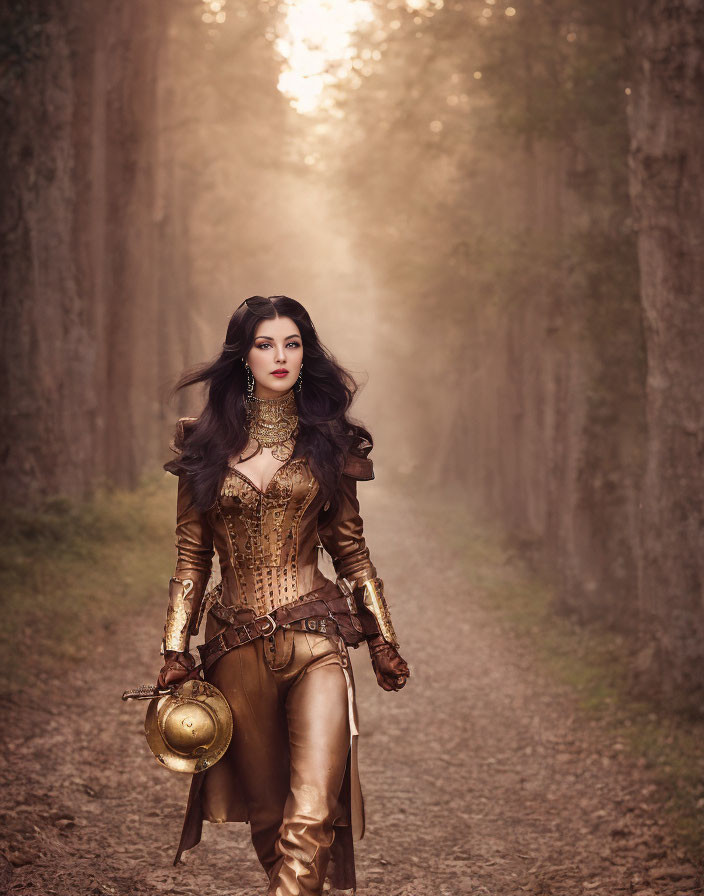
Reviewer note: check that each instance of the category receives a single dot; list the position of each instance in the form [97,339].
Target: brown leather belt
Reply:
[315,614]
[323,626]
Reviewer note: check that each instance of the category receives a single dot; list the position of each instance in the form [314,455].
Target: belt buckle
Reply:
[240,628]
[269,621]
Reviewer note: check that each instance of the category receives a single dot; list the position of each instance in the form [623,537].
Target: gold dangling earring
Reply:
[250,380]
[299,382]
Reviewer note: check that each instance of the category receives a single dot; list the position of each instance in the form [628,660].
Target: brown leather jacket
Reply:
[267,545]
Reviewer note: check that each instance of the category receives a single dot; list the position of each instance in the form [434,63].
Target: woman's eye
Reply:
[265,344]
[294,344]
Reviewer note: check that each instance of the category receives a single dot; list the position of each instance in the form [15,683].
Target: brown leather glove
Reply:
[177,668]
[390,668]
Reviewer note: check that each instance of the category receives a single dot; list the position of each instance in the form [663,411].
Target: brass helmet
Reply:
[189,729]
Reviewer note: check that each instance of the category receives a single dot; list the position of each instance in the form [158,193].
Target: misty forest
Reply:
[493,214]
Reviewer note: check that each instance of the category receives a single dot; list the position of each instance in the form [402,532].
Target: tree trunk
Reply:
[666,120]
[80,129]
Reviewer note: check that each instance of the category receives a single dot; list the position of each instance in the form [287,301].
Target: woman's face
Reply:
[277,346]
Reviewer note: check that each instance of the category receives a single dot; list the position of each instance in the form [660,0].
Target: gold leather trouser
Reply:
[291,737]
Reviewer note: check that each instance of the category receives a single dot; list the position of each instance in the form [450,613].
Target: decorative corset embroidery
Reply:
[262,529]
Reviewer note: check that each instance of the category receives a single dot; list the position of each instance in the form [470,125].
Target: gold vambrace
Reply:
[372,595]
[179,614]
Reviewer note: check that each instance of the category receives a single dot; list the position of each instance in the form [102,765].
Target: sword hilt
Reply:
[146,692]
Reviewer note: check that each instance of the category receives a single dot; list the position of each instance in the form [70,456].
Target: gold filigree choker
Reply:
[273,423]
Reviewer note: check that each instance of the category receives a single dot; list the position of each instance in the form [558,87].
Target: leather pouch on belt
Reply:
[350,628]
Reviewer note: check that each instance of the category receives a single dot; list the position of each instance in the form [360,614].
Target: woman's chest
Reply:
[262,524]
[259,469]
[289,487]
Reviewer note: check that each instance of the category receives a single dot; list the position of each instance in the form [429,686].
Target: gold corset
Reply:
[262,533]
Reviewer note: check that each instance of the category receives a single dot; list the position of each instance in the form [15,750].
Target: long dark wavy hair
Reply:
[326,432]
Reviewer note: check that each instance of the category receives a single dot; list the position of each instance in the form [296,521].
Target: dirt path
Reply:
[482,777]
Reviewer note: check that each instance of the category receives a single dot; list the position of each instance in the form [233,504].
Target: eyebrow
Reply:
[292,336]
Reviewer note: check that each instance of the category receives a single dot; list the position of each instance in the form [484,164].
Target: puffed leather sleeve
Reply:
[194,536]
[343,535]
[343,539]
[194,547]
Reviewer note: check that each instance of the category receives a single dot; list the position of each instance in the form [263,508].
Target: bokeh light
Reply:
[213,12]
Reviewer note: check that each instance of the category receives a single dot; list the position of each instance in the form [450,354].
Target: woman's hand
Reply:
[177,668]
[390,668]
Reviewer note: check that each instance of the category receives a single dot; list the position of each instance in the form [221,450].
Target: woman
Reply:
[267,474]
